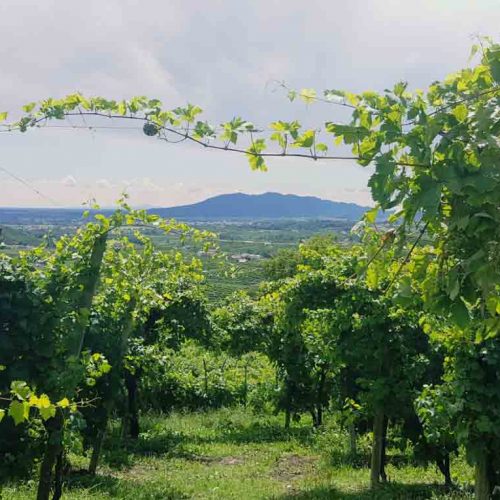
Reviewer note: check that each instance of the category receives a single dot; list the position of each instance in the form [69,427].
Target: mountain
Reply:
[225,206]
[267,205]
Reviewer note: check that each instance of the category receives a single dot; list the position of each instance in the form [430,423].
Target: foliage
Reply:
[362,312]
[241,324]
[46,305]
[194,378]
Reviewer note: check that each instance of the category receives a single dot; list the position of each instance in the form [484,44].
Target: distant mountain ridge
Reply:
[267,205]
[225,206]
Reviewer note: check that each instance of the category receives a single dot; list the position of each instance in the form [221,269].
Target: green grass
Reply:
[231,454]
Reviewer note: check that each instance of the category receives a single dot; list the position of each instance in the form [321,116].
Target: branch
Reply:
[184,136]
[407,258]
[409,122]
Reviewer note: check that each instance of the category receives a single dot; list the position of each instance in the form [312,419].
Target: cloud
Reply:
[220,55]
[69,181]
[104,183]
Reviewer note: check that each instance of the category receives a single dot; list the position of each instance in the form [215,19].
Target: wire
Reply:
[33,188]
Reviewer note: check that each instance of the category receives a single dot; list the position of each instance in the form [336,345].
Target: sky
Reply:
[223,55]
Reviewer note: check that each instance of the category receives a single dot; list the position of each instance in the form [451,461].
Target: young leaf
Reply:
[371,215]
[308,95]
[19,411]
[28,108]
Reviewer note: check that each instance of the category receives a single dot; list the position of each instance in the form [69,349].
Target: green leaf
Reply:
[2,414]
[47,412]
[493,58]
[28,108]
[19,411]
[372,277]
[334,95]
[473,51]
[460,112]
[306,140]
[3,116]
[493,305]
[454,290]
[350,134]
[64,403]
[20,389]
[371,215]
[460,313]
[122,108]
[399,88]
[279,126]
[255,160]
[308,95]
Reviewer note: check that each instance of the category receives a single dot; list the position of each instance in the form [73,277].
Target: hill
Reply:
[225,206]
[267,205]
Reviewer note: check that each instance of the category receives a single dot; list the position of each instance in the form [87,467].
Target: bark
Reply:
[483,485]
[245,387]
[205,377]
[443,464]
[315,417]
[320,415]
[288,418]
[96,450]
[353,448]
[131,386]
[89,282]
[383,460]
[319,401]
[58,483]
[53,449]
[133,410]
[288,403]
[377,447]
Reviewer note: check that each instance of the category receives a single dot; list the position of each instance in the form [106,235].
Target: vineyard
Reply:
[361,366]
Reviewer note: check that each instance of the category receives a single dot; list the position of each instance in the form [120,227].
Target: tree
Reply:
[332,325]
[46,313]
[241,324]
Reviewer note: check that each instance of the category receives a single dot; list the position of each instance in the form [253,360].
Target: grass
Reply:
[231,454]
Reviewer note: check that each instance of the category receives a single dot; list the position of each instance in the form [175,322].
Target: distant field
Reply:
[257,237]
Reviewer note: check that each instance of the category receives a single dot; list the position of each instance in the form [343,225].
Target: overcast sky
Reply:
[222,55]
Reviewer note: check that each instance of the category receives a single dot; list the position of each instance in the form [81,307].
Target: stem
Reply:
[54,428]
[383,475]
[96,451]
[377,445]
[353,449]
[319,396]
[133,412]
[482,483]
[89,284]
[288,418]
[205,371]
[443,463]
[245,393]
[58,483]
[408,255]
